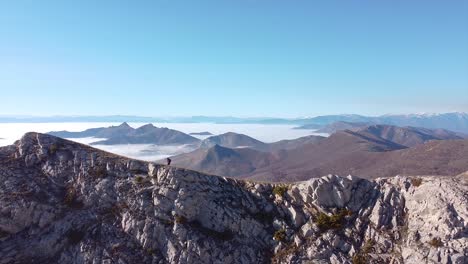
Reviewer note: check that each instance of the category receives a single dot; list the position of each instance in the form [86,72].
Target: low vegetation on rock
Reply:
[180,219]
[280,190]
[416,182]
[139,179]
[436,242]
[362,256]
[280,235]
[334,221]
[71,198]
[53,148]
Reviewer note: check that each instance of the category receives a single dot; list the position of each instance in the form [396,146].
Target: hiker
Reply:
[168,161]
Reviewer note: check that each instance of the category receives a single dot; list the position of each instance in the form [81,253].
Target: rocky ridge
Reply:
[125,134]
[63,202]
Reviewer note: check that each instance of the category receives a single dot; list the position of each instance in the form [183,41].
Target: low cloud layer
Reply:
[148,152]
[10,132]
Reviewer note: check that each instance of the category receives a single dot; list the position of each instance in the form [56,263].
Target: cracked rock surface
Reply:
[63,202]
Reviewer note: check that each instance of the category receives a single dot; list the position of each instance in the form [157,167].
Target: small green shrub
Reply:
[436,242]
[362,256]
[416,182]
[334,221]
[280,190]
[70,195]
[280,235]
[359,259]
[139,179]
[368,247]
[150,251]
[53,148]
[71,198]
[179,219]
[282,254]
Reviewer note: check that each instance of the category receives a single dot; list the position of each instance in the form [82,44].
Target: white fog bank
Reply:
[10,132]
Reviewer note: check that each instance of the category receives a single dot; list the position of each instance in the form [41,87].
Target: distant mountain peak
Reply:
[124,124]
[234,140]
[125,134]
[149,125]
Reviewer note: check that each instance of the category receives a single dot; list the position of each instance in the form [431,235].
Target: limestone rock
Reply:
[62,202]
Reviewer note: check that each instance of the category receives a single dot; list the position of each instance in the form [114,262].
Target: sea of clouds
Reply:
[10,132]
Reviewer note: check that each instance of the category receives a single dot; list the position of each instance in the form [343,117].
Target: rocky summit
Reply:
[63,202]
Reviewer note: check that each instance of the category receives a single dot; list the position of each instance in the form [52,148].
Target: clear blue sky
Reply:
[233,57]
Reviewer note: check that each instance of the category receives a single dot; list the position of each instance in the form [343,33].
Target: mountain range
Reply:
[64,202]
[371,151]
[219,160]
[149,134]
[342,125]
[457,122]
[235,155]
[338,126]
[355,148]
[125,134]
[233,140]
[349,152]
[406,136]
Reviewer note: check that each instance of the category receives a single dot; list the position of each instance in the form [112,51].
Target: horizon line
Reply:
[13,116]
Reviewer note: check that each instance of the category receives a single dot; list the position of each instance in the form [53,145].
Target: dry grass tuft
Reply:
[436,242]
[416,182]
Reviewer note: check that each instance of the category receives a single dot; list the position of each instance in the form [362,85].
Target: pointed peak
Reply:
[147,125]
[124,124]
